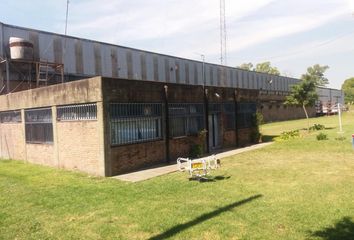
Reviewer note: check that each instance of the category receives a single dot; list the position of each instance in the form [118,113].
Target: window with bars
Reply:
[10,116]
[229,115]
[185,119]
[77,112]
[38,125]
[214,108]
[135,122]
[246,113]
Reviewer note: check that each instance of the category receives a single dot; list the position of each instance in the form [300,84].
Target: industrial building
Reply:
[107,109]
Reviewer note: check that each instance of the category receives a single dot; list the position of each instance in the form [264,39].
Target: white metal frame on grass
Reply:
[198,167]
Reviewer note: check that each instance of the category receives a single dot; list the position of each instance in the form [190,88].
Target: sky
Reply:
[291,34]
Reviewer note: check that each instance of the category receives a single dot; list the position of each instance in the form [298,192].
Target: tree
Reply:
[303,95]
[348,89]
[316,73]
[265,67]
[246,66]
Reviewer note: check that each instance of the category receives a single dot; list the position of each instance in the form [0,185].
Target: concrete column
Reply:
[23,124]
[55,136]
[105,165]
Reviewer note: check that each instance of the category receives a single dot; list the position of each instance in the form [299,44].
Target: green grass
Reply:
[296,189]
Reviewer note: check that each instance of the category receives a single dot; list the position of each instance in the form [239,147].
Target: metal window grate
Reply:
[246,113]
[185,118]
[77,112]
[135,122]
[10,117]
[214,107]
[229,115]
[38,125]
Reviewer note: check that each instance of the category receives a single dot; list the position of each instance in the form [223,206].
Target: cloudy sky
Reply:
[292,34]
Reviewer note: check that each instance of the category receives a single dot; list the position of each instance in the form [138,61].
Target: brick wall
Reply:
[181,147]
[244,136]
[78,146]
[229,139]
[41,154]
[12,144]
[130,157]
[134,156]
[279,112]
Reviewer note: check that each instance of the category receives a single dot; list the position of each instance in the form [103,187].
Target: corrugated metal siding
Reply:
[122,63]
[106,61]
[89,58]
[186,74]
[149,67]
[88,53]
[330,95]
[1,40]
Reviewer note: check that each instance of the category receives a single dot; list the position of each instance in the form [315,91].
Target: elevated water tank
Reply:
[21,49]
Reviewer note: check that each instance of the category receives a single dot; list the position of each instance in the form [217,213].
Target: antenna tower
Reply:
[66,17]
[223,59]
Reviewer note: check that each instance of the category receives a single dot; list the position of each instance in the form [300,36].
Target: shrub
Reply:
[255,134]
[196,151]
[322,136]
[289,135]
[341,138]
[317,127]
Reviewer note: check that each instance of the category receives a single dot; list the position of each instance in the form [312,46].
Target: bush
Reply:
[196,151]
[317,127]
[289,135]
[341,138]
[255,134]
[322,136]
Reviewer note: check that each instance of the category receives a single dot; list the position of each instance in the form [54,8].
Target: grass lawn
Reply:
[296,189]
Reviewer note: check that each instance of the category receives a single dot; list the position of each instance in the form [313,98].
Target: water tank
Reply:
[21,49]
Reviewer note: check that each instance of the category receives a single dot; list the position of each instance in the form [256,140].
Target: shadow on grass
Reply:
[342,230]
[269,138]
[181,227]
[210,178]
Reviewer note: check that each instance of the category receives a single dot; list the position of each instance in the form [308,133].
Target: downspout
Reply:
[2,41]
[206,116]
[7,76]
[167,126]
[2,57]
[236,122]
